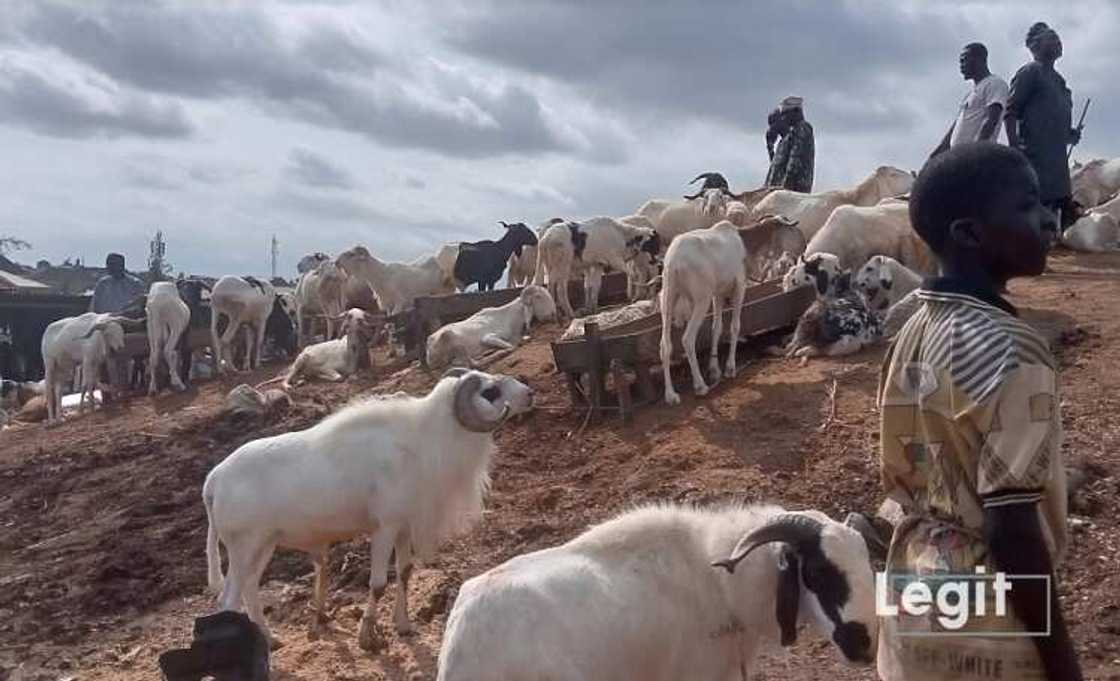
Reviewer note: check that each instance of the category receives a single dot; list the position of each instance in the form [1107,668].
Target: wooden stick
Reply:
[828,421]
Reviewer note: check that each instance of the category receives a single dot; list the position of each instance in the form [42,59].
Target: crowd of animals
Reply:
[410,472]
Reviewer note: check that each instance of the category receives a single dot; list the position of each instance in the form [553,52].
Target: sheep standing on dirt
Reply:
[702,269]
[855,233]
[334,360]
[87,341]
[589,246]
[242,301]
[492,328]
[397,285]
[662,594]
[168,318]
[407,471]
[320,291]
[883,281]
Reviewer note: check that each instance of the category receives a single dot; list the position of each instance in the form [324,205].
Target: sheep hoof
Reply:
[700,389]
[369,636]
[730,372]
[151,392]
[672,398]
[404,628]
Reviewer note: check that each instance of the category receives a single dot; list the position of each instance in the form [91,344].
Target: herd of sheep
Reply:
[657,593]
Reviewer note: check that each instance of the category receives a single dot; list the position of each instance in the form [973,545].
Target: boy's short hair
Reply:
[959,183]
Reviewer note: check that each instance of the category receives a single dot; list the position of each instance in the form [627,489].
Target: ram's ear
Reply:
[789,595]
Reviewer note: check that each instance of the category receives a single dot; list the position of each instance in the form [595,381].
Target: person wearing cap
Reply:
[792,164]
[117,289]
[982,108]
[1039,120]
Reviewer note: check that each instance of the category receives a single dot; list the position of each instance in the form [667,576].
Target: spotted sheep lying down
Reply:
[837,324]
[883,281]
[409,472]
[665,593]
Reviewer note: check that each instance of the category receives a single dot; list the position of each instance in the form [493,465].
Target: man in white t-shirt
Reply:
[982,109]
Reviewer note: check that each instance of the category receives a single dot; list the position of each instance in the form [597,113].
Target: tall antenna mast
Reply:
[275,254]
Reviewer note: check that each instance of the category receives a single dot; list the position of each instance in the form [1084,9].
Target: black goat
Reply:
[483,262]
[190,290]
[711,181]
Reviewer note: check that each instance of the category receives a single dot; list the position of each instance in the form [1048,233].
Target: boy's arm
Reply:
[1014,537]
[944,145]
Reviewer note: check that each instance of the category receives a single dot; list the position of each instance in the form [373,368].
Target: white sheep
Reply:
[702,269]
[1095,181]
[812,210]
[665,593]
[86,341]
[396,285]
[1093,233]
[407,471]
[883,281]
[242,301]
[500,328]
[855,233]
[591,245]
[168,318]
[672,218]
[334,360]
[320,291]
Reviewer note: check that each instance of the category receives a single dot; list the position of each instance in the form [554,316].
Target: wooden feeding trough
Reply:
[431,312]
[636,346]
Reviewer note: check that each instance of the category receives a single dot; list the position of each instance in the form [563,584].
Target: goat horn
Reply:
[796,529]
[503,224]
[100,326]
[466,412]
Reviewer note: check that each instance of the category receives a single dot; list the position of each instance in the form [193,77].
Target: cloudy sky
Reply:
[403,125]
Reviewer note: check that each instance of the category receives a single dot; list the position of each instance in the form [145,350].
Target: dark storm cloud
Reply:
[725,61]
[29,100]
[313,170]
[327,76]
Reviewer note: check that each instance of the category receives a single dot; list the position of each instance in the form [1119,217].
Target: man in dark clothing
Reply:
[792,165]
[1039,120]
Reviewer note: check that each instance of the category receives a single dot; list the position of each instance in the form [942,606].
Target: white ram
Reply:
[492,328]
[591,245]
[320,292]
[1095,181]
[86,341]
[1093,233]
[665,593]
[855,233]
[242,301]
[168,318]
[702,269]
[334,360]
[408,472]
[396,285]
[812,210]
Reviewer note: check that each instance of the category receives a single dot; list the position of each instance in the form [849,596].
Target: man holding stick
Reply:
[1039,121]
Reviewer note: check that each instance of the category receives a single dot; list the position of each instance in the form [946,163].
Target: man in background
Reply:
[117,289]
[982,108]
[1039,120]
[792,164]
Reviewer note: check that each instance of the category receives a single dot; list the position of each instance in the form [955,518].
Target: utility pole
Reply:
[275,254]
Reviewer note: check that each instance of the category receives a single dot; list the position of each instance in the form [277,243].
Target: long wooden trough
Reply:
[636,346]
[432,312]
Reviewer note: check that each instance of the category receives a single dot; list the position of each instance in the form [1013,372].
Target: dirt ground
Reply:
[102,530]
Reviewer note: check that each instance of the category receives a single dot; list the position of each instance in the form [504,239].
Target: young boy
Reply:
[971,432]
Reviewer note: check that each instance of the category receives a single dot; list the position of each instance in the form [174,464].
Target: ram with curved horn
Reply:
[409,472]
[636,598]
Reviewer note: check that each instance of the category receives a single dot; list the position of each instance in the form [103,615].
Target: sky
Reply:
[401,126]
